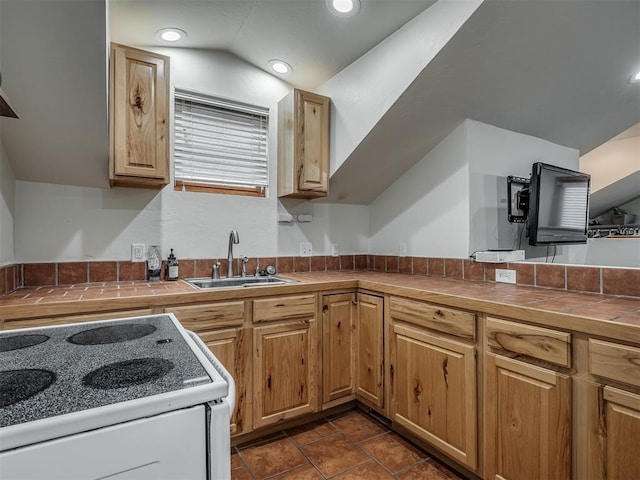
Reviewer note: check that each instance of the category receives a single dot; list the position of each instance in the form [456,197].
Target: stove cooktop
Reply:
[47,372]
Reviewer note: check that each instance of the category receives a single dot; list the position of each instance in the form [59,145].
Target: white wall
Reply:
[495,153]
[63,223]
[7,209]
[454,201]
[363,91]
[428,207]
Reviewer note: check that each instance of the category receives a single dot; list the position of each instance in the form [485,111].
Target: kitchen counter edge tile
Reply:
[512,301]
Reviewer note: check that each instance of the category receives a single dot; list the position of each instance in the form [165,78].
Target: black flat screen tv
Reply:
[558,205]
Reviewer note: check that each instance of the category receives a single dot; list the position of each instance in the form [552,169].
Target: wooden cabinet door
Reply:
[139,120]
[285,370]
[614,435]
[369,347]
[338,346]
[312,141]
[233,348]
[303,145]
[527,421]
[433,391]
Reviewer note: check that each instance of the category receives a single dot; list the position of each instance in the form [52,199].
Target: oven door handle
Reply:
[231,396]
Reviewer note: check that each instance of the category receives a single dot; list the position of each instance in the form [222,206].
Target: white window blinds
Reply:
[219,143]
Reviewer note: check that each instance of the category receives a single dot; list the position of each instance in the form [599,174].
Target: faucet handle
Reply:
[215,273]
[244,266]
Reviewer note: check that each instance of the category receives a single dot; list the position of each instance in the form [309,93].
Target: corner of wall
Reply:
[7,209]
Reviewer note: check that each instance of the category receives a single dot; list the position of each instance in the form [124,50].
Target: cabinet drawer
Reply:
[615,362]
[549,345]
[283,308]
[86,317]
[442,319]
[210,316]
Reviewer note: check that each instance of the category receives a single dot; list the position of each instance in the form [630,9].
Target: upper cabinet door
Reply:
[312,147]
[303,145]
[139,118]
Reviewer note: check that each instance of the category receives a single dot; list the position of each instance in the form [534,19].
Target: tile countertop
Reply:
[596,314]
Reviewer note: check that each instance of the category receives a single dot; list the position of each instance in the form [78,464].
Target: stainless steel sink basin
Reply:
[237,282]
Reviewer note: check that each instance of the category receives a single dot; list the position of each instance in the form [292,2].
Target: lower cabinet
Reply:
[352,349]
[369,361]
[224,329]
[233,348]
[338,346]
[433,390]
[614,435]
[527,421]
[79,318]
[285,371]
[614,411]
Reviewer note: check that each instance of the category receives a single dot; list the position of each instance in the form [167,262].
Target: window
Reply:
[219,145]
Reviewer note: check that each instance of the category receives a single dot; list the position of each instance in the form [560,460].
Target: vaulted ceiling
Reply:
[554,70]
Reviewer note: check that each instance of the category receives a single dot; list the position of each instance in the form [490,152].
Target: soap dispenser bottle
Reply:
[154,263]
[171,271]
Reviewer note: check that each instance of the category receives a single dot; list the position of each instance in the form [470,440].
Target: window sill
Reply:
[181,186]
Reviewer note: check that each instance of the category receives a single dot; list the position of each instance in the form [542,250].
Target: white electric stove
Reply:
[135,398]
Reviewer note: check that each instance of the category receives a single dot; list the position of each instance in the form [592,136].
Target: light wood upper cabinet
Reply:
[527,421]
[433,390]
[338,346]
[303,145]
[370,350]
[138,118]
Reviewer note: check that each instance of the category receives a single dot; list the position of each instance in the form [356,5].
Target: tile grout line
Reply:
[358,446]
[299,448]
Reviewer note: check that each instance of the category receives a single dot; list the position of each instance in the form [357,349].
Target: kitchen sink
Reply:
[207,283]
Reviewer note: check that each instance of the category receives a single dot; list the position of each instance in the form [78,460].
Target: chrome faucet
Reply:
[233,238]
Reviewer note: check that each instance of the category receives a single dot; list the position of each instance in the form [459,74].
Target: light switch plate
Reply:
[505,276]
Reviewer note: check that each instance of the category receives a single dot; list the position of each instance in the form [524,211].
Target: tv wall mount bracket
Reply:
[518,193]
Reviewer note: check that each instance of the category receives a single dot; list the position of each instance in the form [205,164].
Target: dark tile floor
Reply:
[350,446]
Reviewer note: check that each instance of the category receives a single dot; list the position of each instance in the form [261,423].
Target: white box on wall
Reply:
[500,256]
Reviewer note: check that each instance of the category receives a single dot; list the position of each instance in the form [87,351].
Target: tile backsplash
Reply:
[609,280]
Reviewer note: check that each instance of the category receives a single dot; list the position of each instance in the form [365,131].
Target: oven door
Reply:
[169,446]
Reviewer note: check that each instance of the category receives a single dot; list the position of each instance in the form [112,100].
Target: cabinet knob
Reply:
[325,308]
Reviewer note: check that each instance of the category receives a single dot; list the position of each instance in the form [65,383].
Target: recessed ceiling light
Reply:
[170,34]
[343,8]
[635,78]
[280,66]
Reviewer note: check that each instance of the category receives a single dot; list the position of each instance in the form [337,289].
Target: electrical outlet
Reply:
[306,250]
[505,276]
[137,252]
[334,250]
[403,249]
